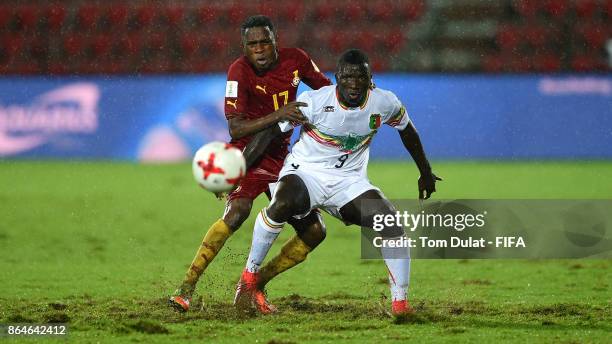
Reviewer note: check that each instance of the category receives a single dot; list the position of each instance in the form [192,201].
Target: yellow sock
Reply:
[212,243]
[293,252]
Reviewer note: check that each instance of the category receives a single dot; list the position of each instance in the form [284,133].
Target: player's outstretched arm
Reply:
[258,145]
[412,142]
[240,127]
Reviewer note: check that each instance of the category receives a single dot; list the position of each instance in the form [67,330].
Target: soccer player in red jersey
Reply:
[260,92]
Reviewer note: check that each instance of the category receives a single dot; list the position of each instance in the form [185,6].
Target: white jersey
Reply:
[337,138]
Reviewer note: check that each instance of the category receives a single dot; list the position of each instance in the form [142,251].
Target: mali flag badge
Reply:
[374,121]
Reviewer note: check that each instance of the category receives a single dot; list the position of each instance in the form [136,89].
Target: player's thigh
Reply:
[310,229]
[237,210]
[290,198]
[361,209]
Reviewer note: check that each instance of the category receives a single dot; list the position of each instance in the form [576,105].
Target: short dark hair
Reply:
[353,56]
[256,21]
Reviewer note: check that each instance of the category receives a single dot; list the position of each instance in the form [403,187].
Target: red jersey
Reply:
[254,96]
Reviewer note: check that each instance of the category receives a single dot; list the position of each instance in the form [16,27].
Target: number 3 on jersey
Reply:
[341,161]
[285,94]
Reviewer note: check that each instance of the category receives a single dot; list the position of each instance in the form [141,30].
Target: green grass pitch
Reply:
[100,246]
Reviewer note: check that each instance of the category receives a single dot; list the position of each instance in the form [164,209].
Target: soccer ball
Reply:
[218,167]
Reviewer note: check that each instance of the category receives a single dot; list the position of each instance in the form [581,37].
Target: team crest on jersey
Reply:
[296,79]
[374,121]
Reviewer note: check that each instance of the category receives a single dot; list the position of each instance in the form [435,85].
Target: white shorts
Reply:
[328,191]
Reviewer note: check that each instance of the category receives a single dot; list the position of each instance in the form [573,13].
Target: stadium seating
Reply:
[195,36]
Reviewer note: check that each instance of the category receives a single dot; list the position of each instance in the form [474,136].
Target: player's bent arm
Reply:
[412,142]
[259,144]
[240,127]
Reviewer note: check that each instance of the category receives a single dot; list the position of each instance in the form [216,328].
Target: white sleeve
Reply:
[305,97]
[395,114]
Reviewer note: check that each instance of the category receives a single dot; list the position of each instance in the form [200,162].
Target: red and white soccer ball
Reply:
[218,167]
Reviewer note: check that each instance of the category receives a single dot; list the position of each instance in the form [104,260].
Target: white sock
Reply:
[264,234]
[397,260]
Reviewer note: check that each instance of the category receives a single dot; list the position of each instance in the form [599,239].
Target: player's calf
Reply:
[290,199]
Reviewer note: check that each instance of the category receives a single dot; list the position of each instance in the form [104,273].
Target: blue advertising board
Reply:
[167,118]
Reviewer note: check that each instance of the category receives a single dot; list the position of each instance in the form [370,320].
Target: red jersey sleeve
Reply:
[236,91]
[310,73]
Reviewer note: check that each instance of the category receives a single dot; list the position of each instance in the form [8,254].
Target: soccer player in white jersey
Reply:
[327,169]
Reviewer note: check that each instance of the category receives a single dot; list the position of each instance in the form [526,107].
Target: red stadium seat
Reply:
[289,38]
[207,14]
[111,66]
[268,8]
[493,64]
[586,8]
[55,14]
[117,15]
[324,11]
[101,45]
[157,42]
[157,65]
[515,62]
[292,11]
[588,63]
[12,44]
[355,11]
[192,65]
[338,41]
[238,12]
[379,62]
[411,10]
[556,8]
[57,68]
[189,43]
[546,62]
[365,40]
[88,17]
[27,17]
[595,35]
[73,44]
[174,15]
[218,43]
[129,45]
[537,35]
[394,40]
[5,15]
[381,10]
[145,16]
[527,8]
[508,37]
[607,8]
[39,48]
[26,68]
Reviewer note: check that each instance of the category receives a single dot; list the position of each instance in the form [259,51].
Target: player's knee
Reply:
[237,214]
[281,209]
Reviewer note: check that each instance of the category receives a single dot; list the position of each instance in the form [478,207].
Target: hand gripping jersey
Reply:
[255,95]
[337,138]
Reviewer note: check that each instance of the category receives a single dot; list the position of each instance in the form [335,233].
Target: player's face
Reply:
[259,46]
[353,82]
